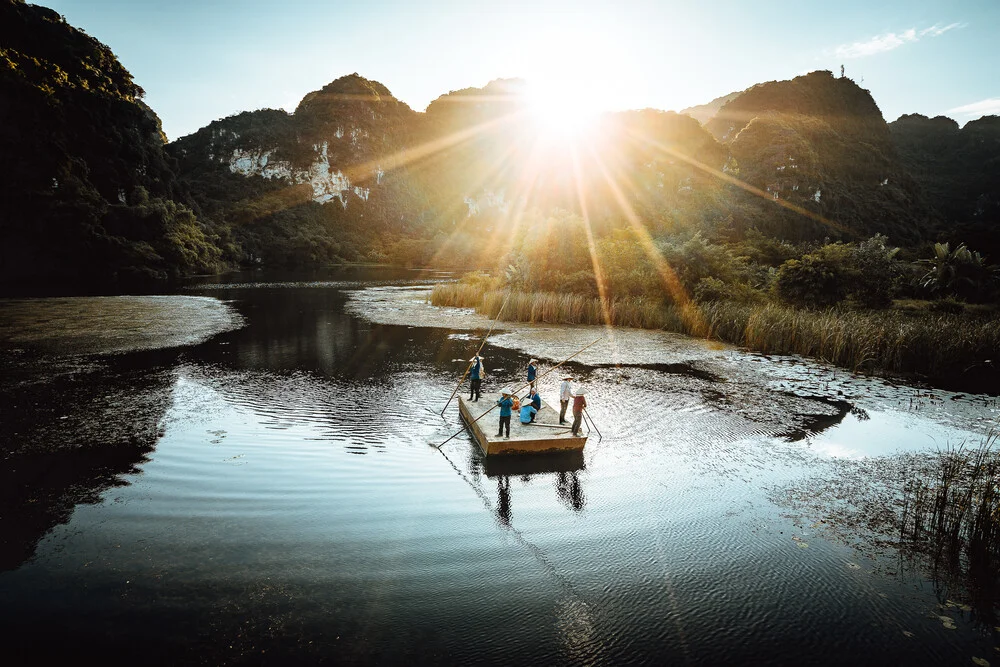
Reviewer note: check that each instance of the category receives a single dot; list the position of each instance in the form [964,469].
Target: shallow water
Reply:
[288,504]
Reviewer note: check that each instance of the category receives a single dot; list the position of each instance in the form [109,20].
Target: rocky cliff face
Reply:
[815,143]
[338,142]
[474,151]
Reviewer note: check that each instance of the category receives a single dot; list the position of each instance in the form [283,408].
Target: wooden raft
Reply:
[524,438]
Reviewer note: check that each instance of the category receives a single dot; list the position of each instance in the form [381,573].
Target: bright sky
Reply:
[200,60]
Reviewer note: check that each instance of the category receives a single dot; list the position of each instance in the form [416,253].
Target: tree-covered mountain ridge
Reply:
[817,142]
[93,196]
[354,174]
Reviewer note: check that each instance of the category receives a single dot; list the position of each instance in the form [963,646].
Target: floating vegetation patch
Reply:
[112,324]
[939,511]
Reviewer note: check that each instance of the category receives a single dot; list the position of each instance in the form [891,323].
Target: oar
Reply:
[591,420]
[519,389]
[481,345]
[545,425]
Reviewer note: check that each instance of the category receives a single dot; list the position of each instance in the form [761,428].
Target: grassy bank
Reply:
[940,345]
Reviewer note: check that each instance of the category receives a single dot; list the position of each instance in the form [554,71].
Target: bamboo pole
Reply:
[481,346]
[455,435]
[591,420]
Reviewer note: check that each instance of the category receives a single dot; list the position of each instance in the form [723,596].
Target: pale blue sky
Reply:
[200,61]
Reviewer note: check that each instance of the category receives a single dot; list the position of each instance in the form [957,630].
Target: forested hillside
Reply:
[353,174]
[312,187]
[821,143]
[90,193]
[958,169]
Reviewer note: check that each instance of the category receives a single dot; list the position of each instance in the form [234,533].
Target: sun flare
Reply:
[561,112]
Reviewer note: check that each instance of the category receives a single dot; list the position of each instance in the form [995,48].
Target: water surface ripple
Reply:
[294,509]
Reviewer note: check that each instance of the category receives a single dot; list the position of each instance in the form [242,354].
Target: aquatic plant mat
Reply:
[937,513]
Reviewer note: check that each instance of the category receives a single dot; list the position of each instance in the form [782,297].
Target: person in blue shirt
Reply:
[505,403]
[476,374]
[532,372]
[528,413]
[536,402]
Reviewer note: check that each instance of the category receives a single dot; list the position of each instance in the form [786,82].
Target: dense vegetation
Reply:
[90,193]
[840,302]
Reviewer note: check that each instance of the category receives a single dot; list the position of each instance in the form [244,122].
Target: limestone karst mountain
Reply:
[821,143]
[352,173]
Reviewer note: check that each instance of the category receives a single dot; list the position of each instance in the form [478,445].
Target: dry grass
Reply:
[935,344]
[551,308]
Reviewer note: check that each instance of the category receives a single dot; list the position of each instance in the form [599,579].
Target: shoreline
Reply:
[946,350]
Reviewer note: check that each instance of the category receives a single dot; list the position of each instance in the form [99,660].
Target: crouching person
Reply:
[528,413]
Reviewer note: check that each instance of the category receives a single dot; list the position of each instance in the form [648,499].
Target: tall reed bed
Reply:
[953,514]
[936,344]
[551,308]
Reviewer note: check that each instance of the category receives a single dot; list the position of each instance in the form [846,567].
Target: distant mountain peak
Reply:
[839,101]
[352,88]
[705,112]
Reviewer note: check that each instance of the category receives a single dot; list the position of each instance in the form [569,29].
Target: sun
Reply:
[561,111]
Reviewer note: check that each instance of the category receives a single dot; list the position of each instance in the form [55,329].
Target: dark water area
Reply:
[272,496]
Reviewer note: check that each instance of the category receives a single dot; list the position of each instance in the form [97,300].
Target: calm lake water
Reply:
[271,495]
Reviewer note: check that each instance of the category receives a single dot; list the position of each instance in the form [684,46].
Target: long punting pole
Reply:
[481,346]
[519,389]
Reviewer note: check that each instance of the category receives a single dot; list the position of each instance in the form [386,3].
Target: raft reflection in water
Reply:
[564,465]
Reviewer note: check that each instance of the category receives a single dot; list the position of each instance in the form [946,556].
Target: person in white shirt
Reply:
[565,396]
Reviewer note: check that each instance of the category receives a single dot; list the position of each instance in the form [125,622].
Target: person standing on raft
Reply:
[476,377]
[532,372]
[579,404]
[505,403]
[565,396]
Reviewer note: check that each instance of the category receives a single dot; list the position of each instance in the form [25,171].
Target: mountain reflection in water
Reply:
[293,510]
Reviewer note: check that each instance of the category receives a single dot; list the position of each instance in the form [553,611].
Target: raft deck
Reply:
[545,435]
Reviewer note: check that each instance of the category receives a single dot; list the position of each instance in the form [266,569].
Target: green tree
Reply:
[959,272]
[875,272]
[817,280]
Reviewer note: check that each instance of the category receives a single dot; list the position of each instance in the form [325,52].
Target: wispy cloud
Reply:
[892,40]
[981,108]
[938,29]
